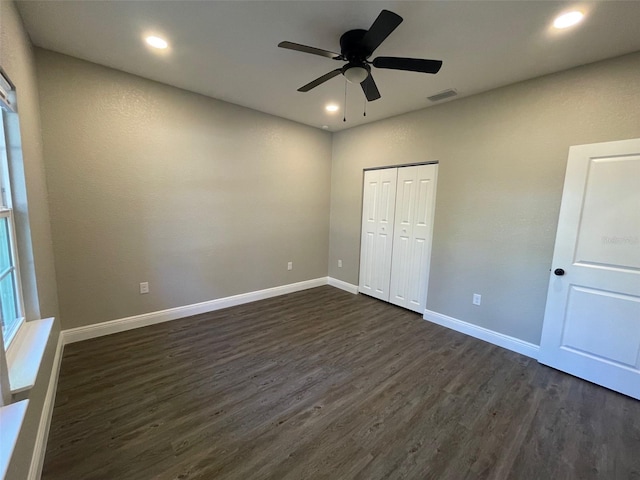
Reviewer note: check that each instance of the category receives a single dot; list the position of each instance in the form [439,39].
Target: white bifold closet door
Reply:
[413,229]
[397,227]
[378,208]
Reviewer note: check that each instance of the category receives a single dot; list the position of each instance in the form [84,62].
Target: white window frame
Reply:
[7,94]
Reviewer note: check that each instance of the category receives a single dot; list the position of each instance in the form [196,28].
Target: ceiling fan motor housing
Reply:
[352,48]
[357,70]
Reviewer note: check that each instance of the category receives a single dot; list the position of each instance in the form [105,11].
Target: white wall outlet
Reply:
[290,266]
[477,298]
[339,263]
[144,287]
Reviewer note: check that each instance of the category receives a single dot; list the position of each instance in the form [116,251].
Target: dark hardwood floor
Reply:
[325,384]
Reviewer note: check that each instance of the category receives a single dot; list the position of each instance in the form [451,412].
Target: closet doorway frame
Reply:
[432,226]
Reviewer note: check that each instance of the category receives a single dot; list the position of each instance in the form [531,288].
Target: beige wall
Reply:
[35,247]
[502,159]
[198,197]
[33,223]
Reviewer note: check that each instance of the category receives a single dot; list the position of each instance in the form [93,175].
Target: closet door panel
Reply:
[387,201]
[401,259]
[381,265]
[399,274]
[405,202]
[378,212]
[413,227]
[422,236]
[366,263]
[416,278]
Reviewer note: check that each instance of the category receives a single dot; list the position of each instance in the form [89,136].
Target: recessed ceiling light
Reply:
[325,127]
[568,19]
[156,42]
[332,107]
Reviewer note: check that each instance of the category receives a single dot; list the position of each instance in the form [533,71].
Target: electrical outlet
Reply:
[339,263]
[290,266]
[144,287]
[477,298]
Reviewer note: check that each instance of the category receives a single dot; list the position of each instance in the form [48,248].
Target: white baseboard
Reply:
[334,282]
[40,447]
[122,324]
[500,339]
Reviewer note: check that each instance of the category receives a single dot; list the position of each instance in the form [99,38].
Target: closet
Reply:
[397,225]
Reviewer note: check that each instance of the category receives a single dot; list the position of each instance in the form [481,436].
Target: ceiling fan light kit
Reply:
[355,73]
[356,46]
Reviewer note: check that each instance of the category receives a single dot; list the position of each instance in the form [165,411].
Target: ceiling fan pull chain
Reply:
[344,117]
[364,114]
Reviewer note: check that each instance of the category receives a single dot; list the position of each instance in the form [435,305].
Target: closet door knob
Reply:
[559,272]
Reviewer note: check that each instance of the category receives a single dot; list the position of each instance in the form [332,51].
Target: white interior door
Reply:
[378,208]
[592,320]
[413,228]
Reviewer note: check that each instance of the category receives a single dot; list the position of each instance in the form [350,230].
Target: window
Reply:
[11,304]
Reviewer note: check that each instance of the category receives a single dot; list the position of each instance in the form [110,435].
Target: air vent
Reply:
[450,92]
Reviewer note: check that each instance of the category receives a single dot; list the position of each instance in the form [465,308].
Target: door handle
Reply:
[559,272]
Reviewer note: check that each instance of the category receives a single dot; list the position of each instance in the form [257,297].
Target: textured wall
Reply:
[201,198]
[32,223]
[30,194]
[502,159]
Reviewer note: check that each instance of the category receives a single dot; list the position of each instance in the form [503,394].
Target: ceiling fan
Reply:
[356,46]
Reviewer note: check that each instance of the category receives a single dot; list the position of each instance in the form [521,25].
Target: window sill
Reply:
[25,353]
[11,418]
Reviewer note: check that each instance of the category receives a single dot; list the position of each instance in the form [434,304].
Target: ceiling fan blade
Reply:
[370,89]
[382,27]
[312,50]
[410,64]
[320,80]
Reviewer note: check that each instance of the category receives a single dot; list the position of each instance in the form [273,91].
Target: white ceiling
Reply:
[228,49]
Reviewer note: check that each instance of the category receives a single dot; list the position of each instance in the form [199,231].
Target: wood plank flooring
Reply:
[323,384]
